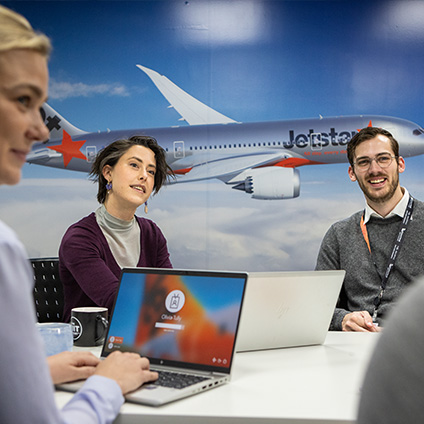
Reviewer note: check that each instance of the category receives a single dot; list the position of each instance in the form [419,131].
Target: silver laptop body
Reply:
[286,309]
[184,321]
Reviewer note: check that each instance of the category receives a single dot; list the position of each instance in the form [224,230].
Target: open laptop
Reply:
[287,309]
[184,321]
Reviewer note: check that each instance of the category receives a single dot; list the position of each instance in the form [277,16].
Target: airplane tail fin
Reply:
[57,123]
[192,110]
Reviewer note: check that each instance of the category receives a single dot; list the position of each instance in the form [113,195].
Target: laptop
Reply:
[184,321]
[287,309]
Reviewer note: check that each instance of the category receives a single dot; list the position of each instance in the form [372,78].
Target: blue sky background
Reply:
[250,60]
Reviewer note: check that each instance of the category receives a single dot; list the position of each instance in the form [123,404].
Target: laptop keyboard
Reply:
[177,380]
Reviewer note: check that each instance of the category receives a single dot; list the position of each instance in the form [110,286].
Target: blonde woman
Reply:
[26,382]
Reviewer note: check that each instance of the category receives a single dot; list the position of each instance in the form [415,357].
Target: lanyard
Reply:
[395,251]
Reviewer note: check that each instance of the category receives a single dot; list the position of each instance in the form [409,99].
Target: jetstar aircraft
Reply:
[259,158]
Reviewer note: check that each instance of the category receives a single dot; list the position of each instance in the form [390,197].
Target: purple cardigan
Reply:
[87,268]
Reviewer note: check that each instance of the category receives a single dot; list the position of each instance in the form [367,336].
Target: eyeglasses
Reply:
[383,161]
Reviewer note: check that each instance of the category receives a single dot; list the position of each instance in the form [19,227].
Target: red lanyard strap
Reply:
[365,232]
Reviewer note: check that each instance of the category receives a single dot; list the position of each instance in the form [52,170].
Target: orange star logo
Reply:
[69,149]
[369,125]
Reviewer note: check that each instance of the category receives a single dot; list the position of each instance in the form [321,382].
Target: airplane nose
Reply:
[413,145]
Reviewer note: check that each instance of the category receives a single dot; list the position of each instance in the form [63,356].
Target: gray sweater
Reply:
[344,247]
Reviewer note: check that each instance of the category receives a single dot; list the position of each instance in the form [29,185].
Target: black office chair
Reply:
[48,290]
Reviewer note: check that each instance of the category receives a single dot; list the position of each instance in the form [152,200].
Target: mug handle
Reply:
[103,327]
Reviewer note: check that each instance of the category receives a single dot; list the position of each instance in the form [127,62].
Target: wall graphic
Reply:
[250,61]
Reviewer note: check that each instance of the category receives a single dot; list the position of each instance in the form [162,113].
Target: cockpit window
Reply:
[418,131]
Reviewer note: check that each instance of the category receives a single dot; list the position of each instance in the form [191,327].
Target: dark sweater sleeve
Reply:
[154,249]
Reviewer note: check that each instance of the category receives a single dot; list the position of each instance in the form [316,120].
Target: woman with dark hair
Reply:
[95,249]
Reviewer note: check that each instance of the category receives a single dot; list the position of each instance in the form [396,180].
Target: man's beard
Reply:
[380,199]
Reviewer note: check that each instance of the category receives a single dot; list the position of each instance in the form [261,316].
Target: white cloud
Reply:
[207,224]
[221,229]
[60,90]
[40,210]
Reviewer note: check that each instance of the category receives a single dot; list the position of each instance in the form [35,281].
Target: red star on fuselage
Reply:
[69,149]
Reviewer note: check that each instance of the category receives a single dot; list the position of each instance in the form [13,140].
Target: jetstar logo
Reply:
[318,140]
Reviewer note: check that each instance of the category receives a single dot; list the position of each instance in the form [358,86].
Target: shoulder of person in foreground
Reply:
[394,381]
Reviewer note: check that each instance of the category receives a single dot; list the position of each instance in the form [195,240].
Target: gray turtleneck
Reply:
[122,236]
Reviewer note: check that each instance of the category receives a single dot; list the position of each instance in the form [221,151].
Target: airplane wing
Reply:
[192,110]
[227,170]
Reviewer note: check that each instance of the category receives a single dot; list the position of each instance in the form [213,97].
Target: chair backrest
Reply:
[48,290]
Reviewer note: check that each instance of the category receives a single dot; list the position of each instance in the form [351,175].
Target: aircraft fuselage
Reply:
[300,142]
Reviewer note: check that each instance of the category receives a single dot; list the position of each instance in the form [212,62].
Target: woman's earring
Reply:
[109,186]
[145,207]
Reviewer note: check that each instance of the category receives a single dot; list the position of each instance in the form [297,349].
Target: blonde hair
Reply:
[17,33]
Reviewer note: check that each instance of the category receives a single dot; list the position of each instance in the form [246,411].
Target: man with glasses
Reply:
[379,247]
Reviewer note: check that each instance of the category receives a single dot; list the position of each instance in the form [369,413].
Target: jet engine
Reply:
[271,183]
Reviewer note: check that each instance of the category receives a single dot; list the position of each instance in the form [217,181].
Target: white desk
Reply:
[315,384]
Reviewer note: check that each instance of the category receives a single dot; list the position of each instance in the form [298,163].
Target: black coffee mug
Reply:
[89,325]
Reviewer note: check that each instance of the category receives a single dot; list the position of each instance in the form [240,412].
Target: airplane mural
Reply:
[260,158]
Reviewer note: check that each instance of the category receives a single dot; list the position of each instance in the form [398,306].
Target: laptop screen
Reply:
[177,317]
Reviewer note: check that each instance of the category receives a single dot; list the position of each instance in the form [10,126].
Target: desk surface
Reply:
[313,384]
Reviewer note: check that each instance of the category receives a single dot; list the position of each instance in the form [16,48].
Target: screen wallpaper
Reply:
[177,318]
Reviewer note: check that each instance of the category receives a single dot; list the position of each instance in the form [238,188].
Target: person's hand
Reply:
[71,366]
[129,370]
[359,321]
